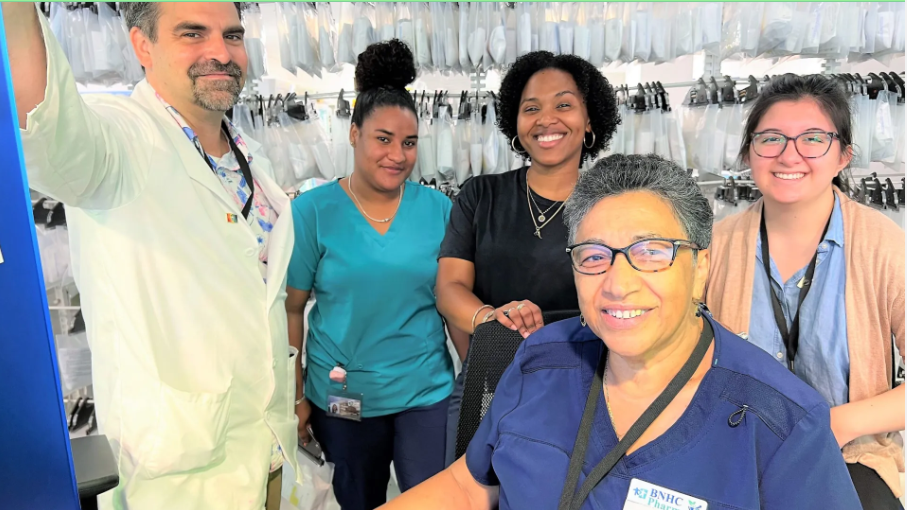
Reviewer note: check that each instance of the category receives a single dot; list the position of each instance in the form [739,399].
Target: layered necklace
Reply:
[358,203]
[542,220]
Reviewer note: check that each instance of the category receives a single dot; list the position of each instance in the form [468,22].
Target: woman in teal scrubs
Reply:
[367,248]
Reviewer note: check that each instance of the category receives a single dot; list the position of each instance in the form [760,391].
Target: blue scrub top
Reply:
[781,456]
[374,309]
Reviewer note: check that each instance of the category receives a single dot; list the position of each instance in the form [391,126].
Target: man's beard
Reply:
[216,95]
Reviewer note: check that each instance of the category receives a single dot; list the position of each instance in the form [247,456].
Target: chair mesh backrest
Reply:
[491,351]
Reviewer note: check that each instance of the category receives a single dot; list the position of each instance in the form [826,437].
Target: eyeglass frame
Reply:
[788,139]
[677,244]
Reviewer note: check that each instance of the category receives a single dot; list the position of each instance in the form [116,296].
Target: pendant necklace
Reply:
[542,220]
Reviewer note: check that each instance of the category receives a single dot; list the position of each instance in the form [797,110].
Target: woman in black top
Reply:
[504,254]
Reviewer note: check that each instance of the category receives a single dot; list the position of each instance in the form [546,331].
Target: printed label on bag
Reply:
[648,496]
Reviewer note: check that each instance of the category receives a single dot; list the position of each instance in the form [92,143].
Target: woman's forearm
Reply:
[459,305]
[877,415]
[296,323]
[451,489]
[460,341]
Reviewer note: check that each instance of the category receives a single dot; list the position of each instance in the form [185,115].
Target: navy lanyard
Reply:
[790,337]
[571,499]
[244,168]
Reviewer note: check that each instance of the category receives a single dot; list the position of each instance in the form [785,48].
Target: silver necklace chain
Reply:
[537,206]
[542,220]
[362,209]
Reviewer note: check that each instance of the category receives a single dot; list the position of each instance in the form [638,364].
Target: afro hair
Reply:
[596,92]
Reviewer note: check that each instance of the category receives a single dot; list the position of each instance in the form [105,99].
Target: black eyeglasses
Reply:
[809,145]
[646,255]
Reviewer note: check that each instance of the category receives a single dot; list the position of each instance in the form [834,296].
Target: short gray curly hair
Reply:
[144,15]
[622,173]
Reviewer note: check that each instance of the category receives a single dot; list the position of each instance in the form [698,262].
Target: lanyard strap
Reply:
[790,337]
[244,168]
[573,500]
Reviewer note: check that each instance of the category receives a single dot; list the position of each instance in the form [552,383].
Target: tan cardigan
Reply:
[873,297]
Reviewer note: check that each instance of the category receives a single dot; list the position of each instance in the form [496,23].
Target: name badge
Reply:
[648,496]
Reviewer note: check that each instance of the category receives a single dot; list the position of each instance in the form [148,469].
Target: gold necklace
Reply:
[538,228]
[362,209]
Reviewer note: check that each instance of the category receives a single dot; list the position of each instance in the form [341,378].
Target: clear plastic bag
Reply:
[496,47]
[285,170]
[327,38]
[524,28]
[109,24]
[813,33]
[364,22]
[662,146]
[287,36]
[645,135]
[385,21]
[706,140]
[476,141]
[751,28]
[898,117]
[427,152]
[643,46]
[317,141]
[345,53]
[423,35]
[897,38]
[510,24]
[731,30]
[444,144]
[830,41]
[309,47]
[566,27]
[718,149]
[614,31]
[582,42]
[799,26]
[406,32]
[863,129]
[777,24]
[537,12]
[710,13]
[883,134]
[675,139]
[464,24]
[491,141]
[683,30]
[74,28]
[452,36]
[255,46]
[661,28]
[438,36]
[463,138]
[632,122]
[476,35]
[628,45]
[550,17]
[884,34]
[595,22]
[734,139]
[341,150]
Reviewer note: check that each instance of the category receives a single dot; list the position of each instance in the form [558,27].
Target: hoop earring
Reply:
[593,140]
[513,146]
[582,320]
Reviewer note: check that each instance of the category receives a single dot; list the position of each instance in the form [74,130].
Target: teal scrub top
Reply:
[374,310]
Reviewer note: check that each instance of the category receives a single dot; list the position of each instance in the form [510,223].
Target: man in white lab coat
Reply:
[180,241]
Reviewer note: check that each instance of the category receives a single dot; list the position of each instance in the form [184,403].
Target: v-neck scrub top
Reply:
[374,309]
[780,456]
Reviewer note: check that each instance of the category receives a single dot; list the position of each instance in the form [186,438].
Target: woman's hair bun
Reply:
[386,64]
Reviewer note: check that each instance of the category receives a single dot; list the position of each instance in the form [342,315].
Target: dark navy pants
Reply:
[362,452]
[874,493]
[453,417]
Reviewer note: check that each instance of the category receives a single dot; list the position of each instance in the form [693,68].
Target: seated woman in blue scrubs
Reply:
[644,402]
[379,372]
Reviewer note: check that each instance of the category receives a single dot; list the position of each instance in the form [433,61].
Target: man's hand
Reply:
[303,412]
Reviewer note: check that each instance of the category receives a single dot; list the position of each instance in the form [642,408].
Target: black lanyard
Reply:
[791,338]
[243,166]
[573,500]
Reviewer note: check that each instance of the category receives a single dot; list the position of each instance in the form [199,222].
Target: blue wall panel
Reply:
[36,470]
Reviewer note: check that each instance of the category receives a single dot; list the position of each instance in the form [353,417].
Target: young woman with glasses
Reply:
[817,279]
[644,401]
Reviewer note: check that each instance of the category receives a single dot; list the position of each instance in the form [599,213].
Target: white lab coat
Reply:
[192,368]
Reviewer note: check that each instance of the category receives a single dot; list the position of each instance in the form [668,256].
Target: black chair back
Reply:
[491,351]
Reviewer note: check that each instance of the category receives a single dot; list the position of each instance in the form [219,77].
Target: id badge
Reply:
[648,496]
[346,405]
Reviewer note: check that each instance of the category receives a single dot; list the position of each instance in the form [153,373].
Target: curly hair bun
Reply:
[386,64]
